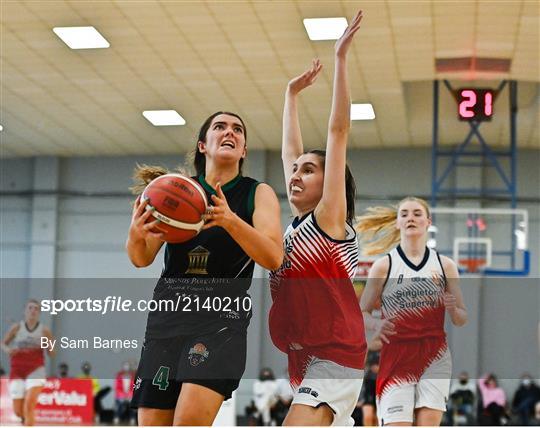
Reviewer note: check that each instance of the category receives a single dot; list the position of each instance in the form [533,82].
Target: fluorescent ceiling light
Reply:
[362,112]
[1,128]
[164,117]
[325,28]
[81,37]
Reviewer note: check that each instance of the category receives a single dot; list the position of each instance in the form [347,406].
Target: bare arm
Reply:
[262,241]
[371,296]
[10,335]
[142,244]
[292,146]
[453,299]
[331,212]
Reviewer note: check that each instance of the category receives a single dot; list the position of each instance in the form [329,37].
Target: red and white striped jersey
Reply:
[412,295]
[28,355]
[314,303]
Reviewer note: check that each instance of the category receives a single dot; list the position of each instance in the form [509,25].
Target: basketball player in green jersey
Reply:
[193,358]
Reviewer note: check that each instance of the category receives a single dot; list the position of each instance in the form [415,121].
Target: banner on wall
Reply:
[61,402]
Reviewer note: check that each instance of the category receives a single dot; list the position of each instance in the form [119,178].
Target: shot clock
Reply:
[475,104]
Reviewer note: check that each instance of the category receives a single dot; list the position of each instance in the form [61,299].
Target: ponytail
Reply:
[377,228]
[144,174]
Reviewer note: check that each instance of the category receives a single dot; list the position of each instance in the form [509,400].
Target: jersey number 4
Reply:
[161,379]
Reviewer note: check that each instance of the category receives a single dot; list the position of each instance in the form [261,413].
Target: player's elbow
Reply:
[138,261]
[339,130]
[139,264]
[463,322]
[274,264]
[460,321]
[274,259]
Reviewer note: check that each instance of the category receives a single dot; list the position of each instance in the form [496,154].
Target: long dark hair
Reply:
[350,185]
[144,174]
[199,160]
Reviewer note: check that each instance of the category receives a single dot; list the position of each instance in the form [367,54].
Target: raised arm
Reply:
[262,241]
[292,146]
[331,212]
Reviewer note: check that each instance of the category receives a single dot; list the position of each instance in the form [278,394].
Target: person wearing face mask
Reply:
[123,391]
[416,287]
[525,398]
[98,392]
[461,403]
[63,370]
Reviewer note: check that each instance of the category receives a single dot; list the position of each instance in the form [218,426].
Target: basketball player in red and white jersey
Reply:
[415,286]
[27,360]
[315,317]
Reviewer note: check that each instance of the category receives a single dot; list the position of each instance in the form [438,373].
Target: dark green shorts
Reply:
[215,360]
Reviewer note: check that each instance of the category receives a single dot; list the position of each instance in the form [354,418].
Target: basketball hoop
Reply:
[472,264]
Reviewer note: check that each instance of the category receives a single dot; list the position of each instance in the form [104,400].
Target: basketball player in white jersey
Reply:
[315,318]
[27,361]
[415,286]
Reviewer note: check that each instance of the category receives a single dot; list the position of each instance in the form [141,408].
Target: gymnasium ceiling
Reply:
[197,57]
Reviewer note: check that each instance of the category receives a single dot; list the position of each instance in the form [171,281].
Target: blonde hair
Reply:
[144,174]
[377,228]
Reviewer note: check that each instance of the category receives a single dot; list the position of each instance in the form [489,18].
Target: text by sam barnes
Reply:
[95,342]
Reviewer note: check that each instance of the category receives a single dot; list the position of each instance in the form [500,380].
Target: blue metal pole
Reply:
[435,143]
[513,175]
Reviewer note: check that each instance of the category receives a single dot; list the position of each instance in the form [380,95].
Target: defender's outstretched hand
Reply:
[342,45]
[307,78]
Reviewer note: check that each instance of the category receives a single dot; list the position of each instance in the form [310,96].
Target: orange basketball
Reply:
[179,204]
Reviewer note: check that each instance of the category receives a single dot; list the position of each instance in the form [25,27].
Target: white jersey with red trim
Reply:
[415,367]
[314,304]
[412,295]
[28,355]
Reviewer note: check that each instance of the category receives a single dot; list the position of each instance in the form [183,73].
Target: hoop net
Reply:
[473,265]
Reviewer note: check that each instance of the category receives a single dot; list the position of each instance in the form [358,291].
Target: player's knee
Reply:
[194,416]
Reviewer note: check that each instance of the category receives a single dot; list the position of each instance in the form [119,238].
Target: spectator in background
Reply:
[98,392]
[284,399]
[63,370]
[123,391]
[525,399]
[368,394]
[493,401]
[461,403]
[86,369]
[265,394]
